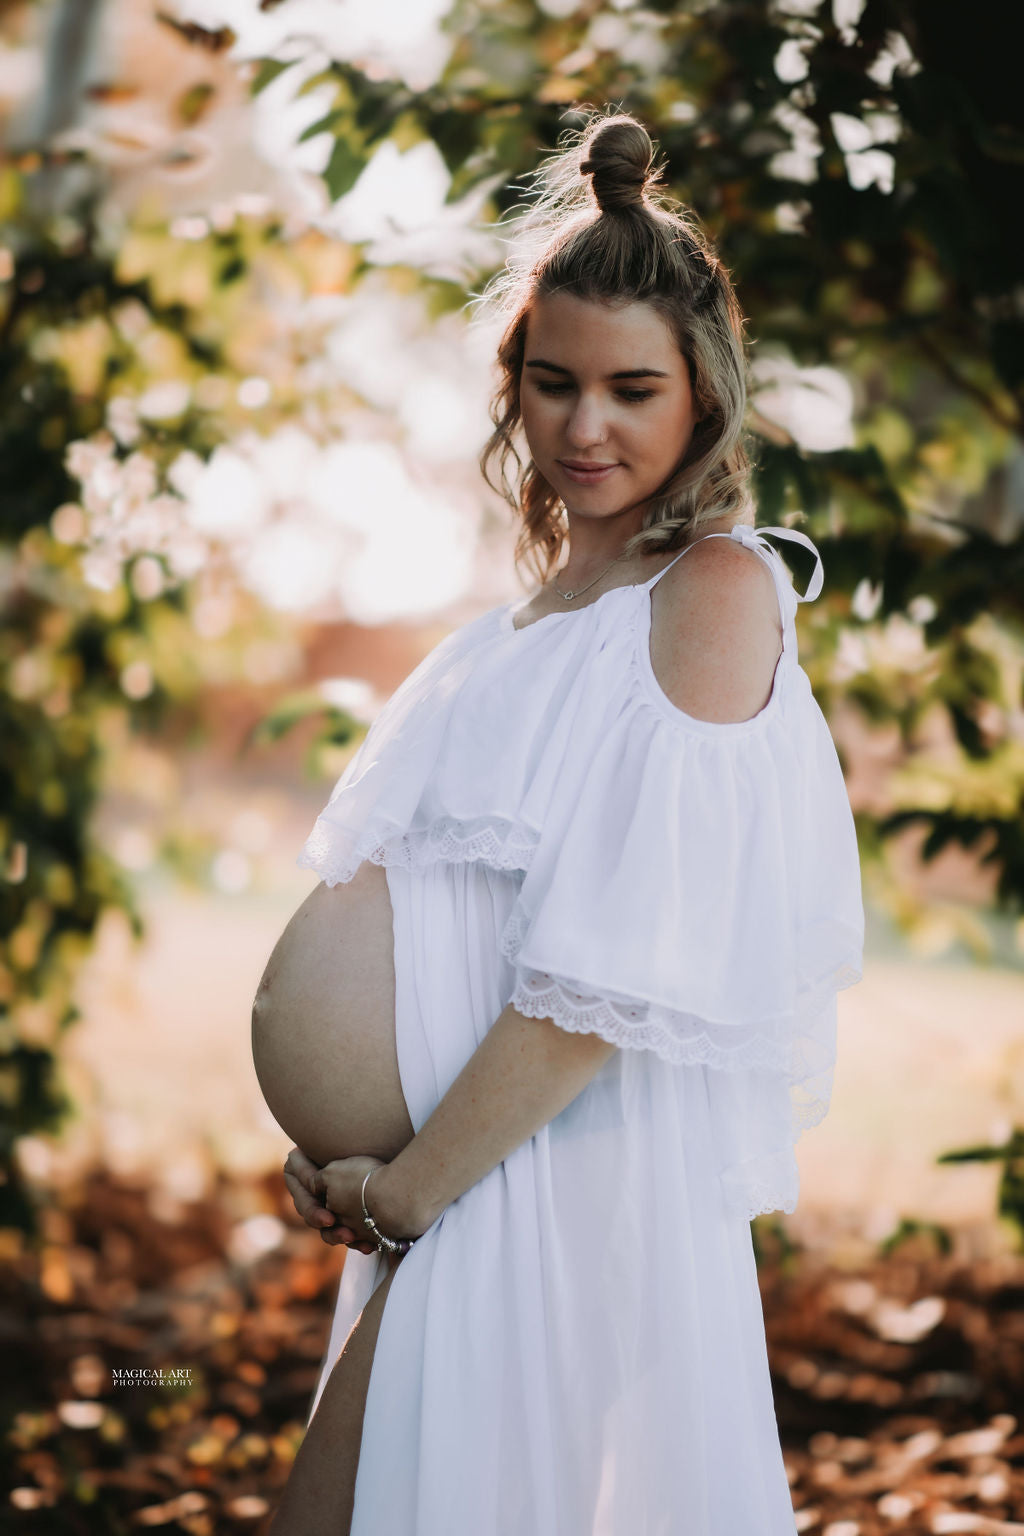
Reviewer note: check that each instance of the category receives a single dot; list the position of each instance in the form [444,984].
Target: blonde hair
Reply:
[600,228]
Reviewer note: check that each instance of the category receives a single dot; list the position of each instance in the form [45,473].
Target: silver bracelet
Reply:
[384,1243]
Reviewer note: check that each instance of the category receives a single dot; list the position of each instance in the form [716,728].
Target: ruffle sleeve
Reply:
[696,892]
[402,797]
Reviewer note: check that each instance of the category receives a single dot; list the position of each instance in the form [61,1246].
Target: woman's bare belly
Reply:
[323,1024]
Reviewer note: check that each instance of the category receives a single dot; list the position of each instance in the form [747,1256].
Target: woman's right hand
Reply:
[298,1175]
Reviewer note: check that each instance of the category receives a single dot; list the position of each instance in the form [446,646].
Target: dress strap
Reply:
[754,539]
[659,574]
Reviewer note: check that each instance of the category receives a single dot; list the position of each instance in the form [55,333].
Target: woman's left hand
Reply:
[301,1175]
[339,1184]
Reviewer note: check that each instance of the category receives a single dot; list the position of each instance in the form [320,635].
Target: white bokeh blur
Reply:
[403,37]
[341,529]
[814,405]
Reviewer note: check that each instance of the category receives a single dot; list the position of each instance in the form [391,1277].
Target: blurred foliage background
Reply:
[241,399]
[240,409]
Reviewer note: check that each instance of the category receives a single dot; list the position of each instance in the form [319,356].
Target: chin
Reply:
[597,501]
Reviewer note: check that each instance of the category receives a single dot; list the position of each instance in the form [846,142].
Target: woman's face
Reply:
[606,401]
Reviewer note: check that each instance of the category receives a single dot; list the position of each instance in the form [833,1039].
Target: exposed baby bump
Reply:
[323,1024]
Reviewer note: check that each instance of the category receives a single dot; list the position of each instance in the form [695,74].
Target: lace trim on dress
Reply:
[764,1184]
[493,840]
[678,1038]
[800,1051]
[761,1184]
[666,1030]
[682,1039]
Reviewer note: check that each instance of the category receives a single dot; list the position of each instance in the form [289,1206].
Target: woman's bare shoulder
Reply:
[716,631]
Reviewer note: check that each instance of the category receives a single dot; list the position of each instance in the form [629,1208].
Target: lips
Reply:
[586,474]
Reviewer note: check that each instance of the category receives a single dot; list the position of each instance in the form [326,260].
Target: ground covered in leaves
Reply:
[899,1384]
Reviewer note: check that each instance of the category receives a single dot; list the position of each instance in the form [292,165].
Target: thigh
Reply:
[318,1497]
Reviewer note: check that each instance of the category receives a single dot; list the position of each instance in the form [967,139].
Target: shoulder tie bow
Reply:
[754,538]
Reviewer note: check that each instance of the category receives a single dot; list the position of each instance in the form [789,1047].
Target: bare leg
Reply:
[320,1491]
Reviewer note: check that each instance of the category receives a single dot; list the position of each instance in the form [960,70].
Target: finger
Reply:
[303,1167]
[298,1161]
[304,1201]
[312,1212]
[331,1237]
[352,1239]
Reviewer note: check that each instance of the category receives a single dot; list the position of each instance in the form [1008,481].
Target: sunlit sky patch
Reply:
[433,375]
[402,38]
[398,206]
[344,526]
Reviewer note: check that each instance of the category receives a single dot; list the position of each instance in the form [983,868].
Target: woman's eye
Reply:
[631,396]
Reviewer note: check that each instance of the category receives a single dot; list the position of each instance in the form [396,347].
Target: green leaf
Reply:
[910,1227]
[973,1155]
[343,169]
[267,72]
[323,124]
[339,728]
[194,102]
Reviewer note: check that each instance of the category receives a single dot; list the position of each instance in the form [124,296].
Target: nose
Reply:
[587,425]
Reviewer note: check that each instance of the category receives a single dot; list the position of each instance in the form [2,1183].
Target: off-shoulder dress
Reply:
[576,1346]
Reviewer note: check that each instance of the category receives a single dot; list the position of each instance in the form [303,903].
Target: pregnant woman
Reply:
[565,996]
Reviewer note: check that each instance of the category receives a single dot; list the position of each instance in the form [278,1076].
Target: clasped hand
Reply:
[329,1198]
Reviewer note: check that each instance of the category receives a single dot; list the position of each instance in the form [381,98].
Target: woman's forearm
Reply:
[523,1074]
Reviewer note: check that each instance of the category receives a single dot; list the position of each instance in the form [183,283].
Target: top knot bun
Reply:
[618,157]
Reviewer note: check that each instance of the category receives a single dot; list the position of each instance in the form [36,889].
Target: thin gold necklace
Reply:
[579,591]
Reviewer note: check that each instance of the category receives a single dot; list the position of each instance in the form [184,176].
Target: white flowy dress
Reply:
[576,1346]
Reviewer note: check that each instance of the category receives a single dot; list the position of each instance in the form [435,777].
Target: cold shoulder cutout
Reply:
[715,633]
[685,887]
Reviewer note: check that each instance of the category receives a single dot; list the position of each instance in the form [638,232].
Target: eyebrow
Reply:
[625,373]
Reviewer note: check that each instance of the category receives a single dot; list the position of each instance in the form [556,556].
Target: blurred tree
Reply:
[860,166]
[104,639]
[75,656]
